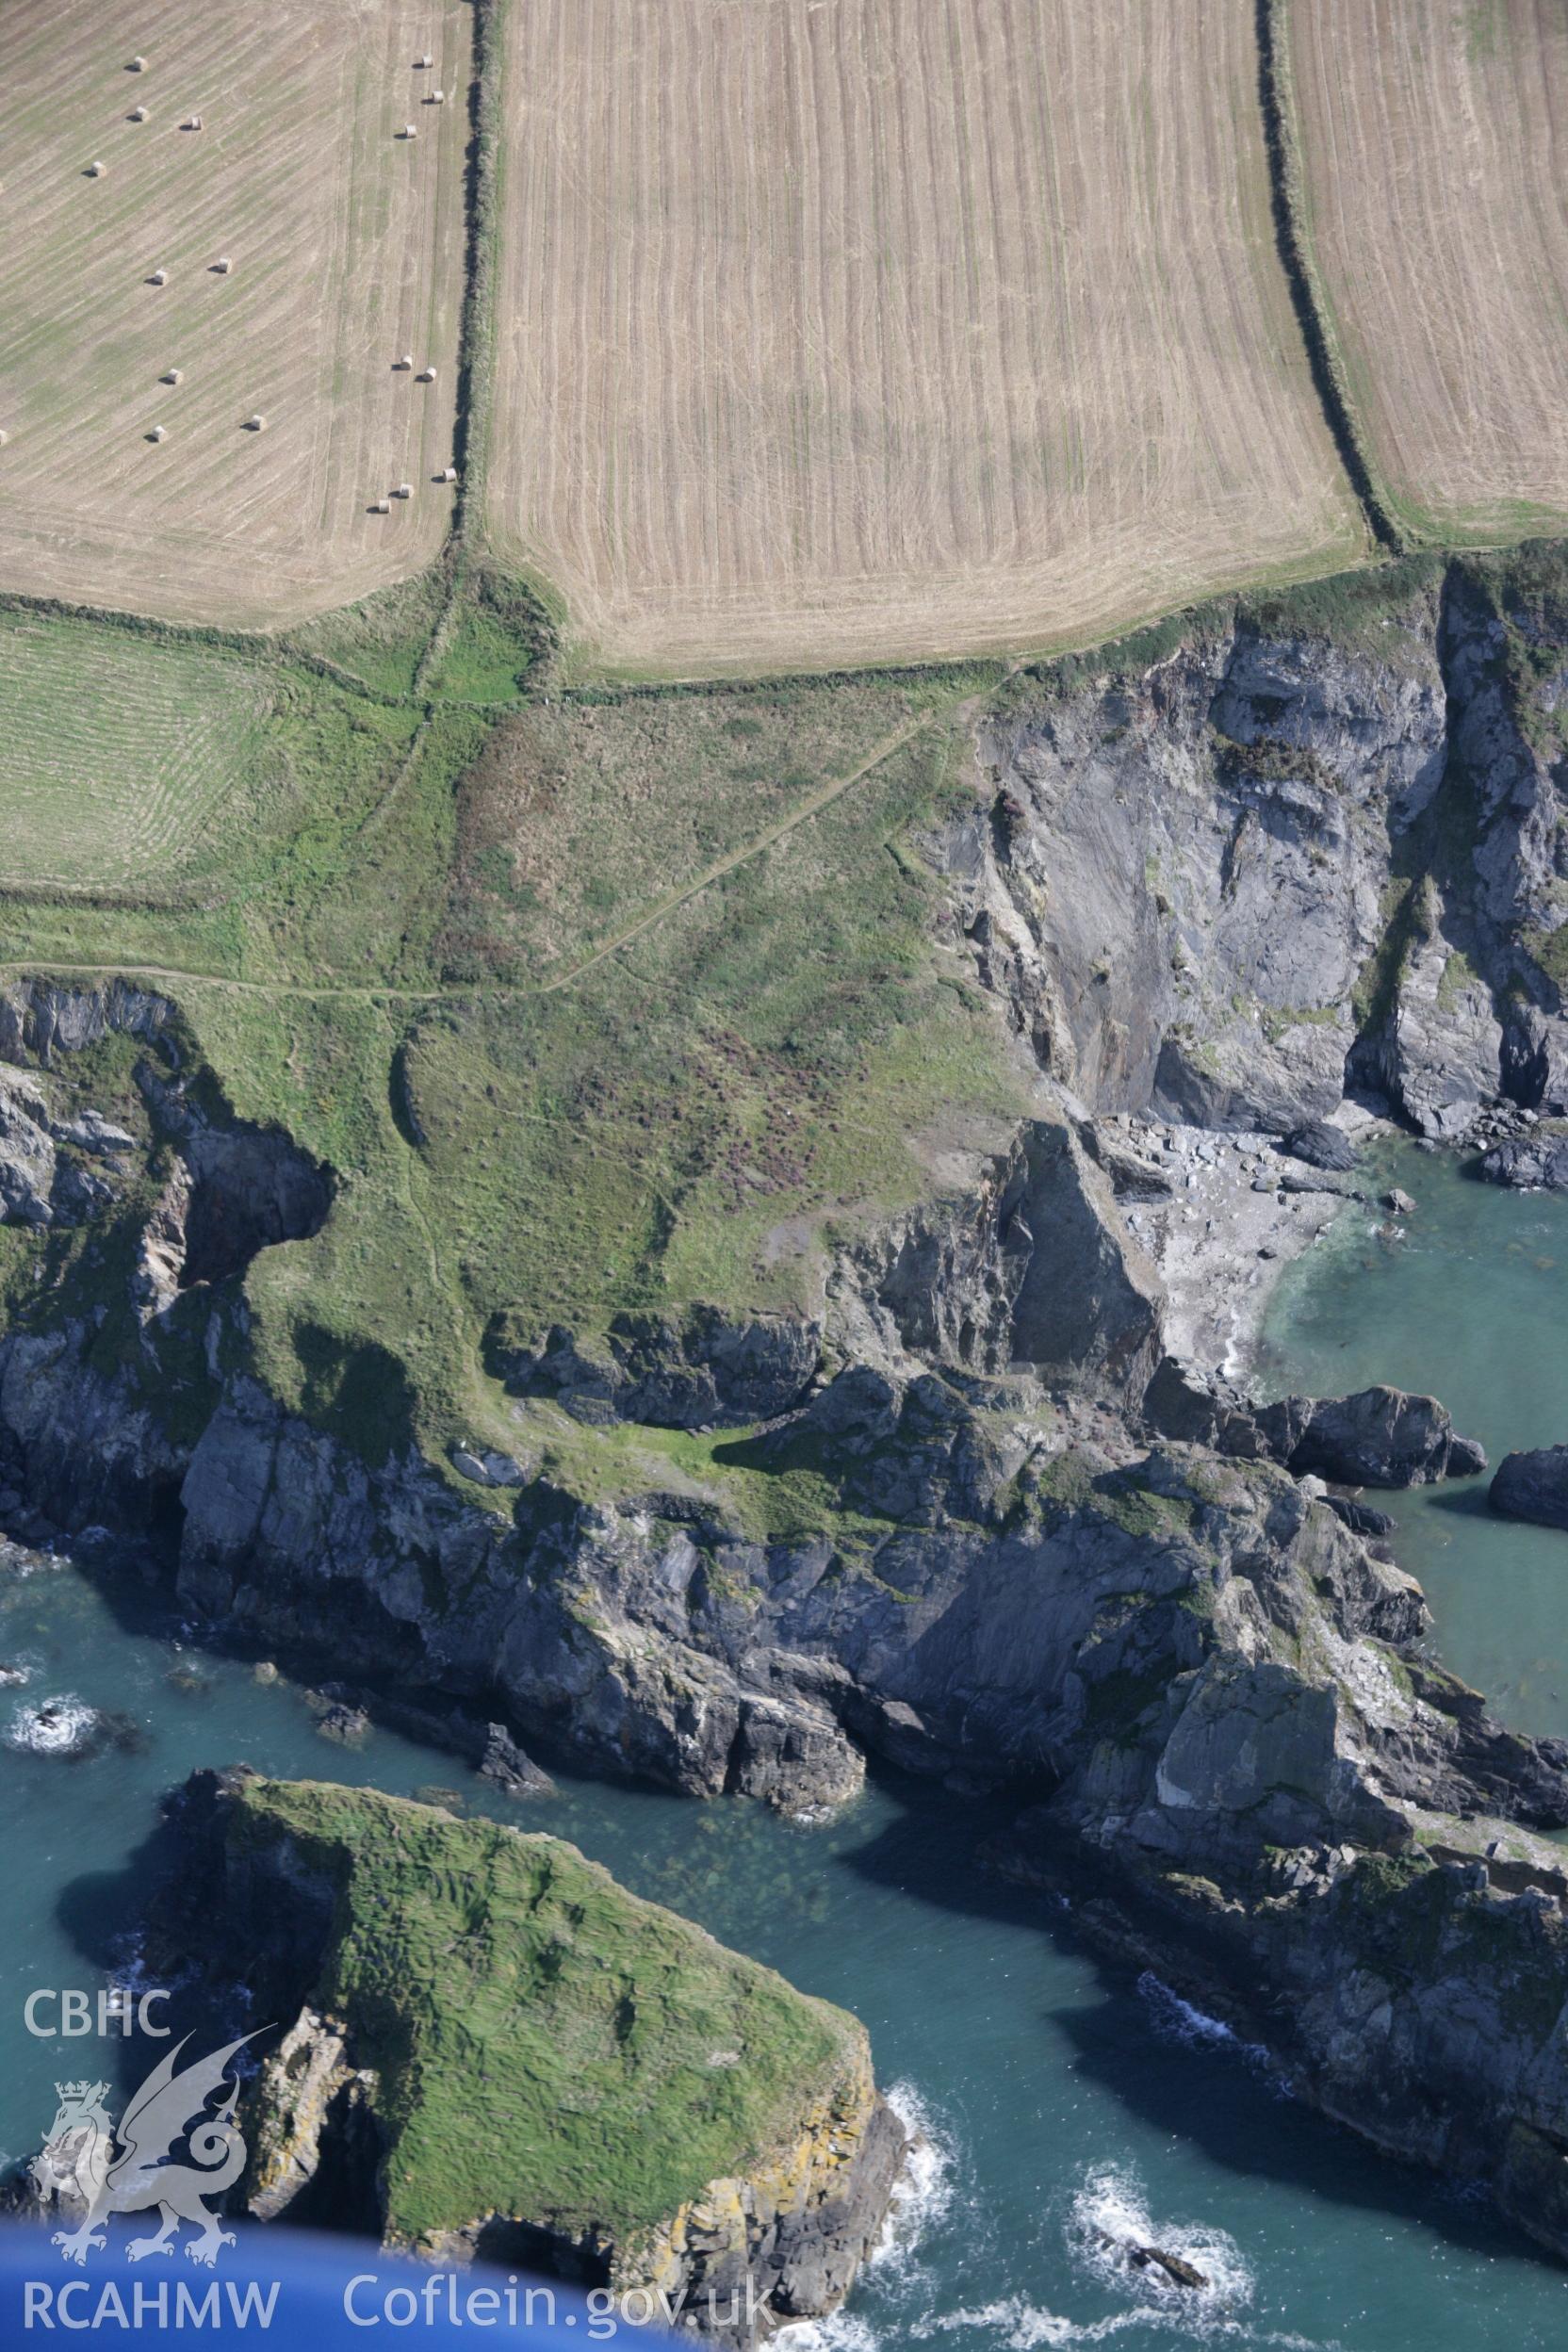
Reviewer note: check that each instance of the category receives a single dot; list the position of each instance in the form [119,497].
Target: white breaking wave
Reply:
[1176,2020]
[1016,2325]
[1020,2325]
[52,1727]
[1109,2216]
[841,2331]
[925,2191]
[926,2185]
[19,1560]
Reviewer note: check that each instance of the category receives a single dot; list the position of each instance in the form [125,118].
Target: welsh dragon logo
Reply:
[125,2168]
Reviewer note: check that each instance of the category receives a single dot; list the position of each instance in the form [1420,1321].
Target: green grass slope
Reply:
[592,1000]
[547,2045]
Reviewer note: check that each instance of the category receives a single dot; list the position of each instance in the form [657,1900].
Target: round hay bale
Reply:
[96,170]
[160,433]
[159,277]
[222,268]
[257,423]
[425,375]
[173,375]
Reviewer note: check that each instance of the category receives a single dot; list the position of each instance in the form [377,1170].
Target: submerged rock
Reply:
[349,1726]
[1533,1485]
[1138,2256]
[68,1727]
[652,2110]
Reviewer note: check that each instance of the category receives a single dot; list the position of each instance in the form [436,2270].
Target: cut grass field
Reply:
[893,328]
[115,751]
[348,249]
[1434,221]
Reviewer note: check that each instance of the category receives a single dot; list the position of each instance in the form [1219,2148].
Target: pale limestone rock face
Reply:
[288,2109]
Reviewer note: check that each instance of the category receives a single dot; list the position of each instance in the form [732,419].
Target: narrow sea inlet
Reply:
[1057,2100]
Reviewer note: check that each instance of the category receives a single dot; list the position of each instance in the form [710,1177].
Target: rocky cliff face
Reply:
[1412,1987]
[1209,883]
[968,1515]
[652,2112]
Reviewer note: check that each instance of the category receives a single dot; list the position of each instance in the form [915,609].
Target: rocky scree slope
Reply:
[1218,876]
[1216,882]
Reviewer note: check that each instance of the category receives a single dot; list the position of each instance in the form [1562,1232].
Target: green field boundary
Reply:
[1287,184]
[476,349]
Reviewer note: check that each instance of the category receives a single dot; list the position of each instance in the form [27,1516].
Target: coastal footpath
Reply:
[988,1498]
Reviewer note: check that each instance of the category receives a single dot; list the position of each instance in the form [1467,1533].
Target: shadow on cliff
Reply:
[101,1913]
[1161,2063]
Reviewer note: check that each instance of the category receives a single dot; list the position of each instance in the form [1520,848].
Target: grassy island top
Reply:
[547,2045]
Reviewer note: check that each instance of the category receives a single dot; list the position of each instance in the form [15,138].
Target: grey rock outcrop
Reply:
[1533,1485]
[40,1020]
[42,1180]
[93,1132]
[1528,1162]
[1443,1055]
[1033,1597]
[486,1466]
[1214,884]
[1030,1268]
[1379,1437]
[700,1369]
[1321,1146]
[26,1156]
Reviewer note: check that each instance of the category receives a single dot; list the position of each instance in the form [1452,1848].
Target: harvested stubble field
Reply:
[1432,135]
[348,249]
[834,332]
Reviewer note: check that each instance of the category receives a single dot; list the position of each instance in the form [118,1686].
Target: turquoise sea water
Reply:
[1466,1298]
[1055,2096]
